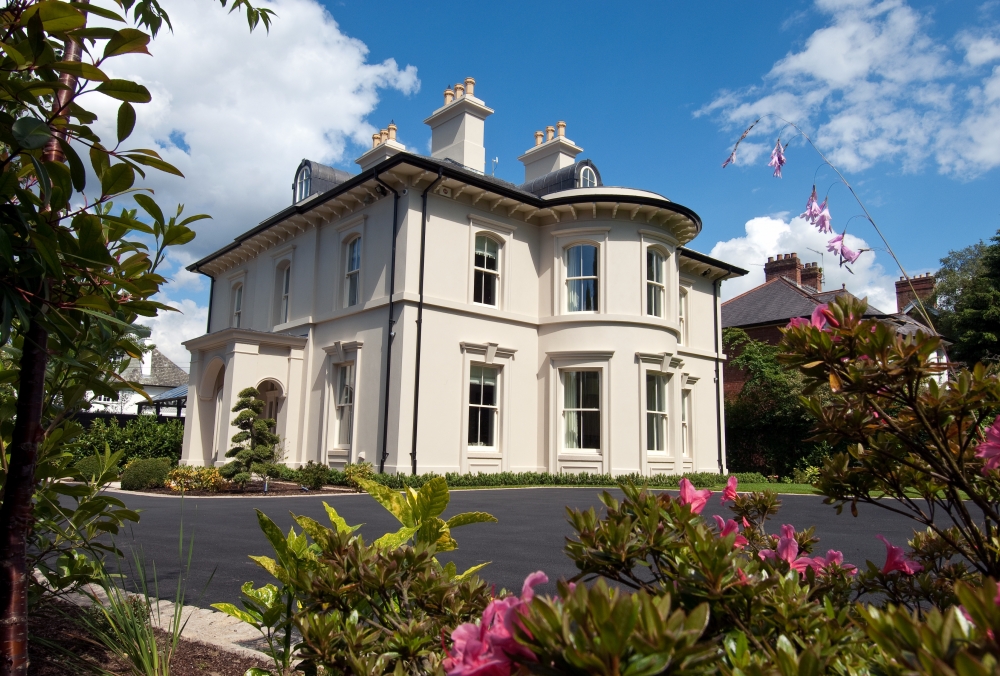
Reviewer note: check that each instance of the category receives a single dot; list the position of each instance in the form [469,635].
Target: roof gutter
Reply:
[390,334]
[420,319]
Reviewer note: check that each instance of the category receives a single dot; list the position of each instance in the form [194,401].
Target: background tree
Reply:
[968,295]
[255,448]
[766,423]
[69,268]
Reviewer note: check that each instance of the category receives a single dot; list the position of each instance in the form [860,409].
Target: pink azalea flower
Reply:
[695,498]
[730,491]
[746,524]
[787,551]
[895,559]
[777,159]
[727,528]
[797,322]
[486,650]
[823,221]
[812,208]
[730,160]
[989,450]
[832,558]
[742,577]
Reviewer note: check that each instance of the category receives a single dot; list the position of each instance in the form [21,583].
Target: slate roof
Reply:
[321,177]
[162,372]
[778,301]
[566,178]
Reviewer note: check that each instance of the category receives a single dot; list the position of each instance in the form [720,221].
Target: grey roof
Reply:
[321,177]
[778,301]
[162,372]
[566,178]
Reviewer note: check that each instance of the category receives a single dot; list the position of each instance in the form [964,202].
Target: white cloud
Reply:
[773,235]
[873,86]
[236,111]
[170,329]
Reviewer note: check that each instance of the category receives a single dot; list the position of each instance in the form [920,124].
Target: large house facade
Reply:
[427,317]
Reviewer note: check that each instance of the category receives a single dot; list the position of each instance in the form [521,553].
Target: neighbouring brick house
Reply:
[793,289]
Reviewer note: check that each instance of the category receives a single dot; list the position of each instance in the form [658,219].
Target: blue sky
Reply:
[904,96]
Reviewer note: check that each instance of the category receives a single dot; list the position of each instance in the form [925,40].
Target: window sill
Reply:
[482,452]
[579,454]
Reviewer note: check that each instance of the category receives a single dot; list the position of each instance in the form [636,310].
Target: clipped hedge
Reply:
[142,437]
[146,473]
[499,479]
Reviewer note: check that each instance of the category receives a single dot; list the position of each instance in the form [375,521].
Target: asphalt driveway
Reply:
[529,536]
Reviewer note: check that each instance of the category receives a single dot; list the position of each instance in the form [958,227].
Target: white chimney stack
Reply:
[384,146]
[457,127]
[550,155]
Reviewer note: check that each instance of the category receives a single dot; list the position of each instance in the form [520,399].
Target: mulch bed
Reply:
[275,488]
[80,654]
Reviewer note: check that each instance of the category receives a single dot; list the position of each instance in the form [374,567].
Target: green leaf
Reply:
[395,540]
[471,571]
[233,611]
[389,499]
[99,11]
[126,120]
[257,671]
[150,206]
[117,179]
[156,163]
[43,180]
[177,235]
[338,521]
[99,160]
[94,302]
[127,40]
[433,498]
[57,17]
[15,55]
[125,90]
[81,69]
[31,133]
[76,169]
[466,518]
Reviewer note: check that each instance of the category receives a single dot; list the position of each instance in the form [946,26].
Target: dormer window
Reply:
[303,183]
[588,178]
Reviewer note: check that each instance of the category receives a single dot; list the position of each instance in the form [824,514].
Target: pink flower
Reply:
[727,528]
[746,524]
[812,208]
[730,491]
[833,558]
[989,450]
[834,245]
[486,650]
[849,255]
[742,577]
[730,160]
[797,322]
[824,220]
[777,159]
[787,551]
[895,559]
[695,498]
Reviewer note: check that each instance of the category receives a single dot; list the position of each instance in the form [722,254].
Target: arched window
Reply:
[581,278]
[352,286]
[303,183]
[655,288]
[237,306]
[487,271]
[588,178]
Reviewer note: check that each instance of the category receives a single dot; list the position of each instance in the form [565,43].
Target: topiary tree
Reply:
[255,447]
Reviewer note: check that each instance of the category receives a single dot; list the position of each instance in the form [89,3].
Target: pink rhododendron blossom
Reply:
[730,160]
[777,159]
[812,208]
[833,558]
[989,450]
[695,498]
[485,650]
[729,493]
[727,528]
[895,559]
[787,551]
[824,221]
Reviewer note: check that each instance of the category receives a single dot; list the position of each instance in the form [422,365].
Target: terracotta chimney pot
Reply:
[561,129]
[376,139]
[550,133]
[392,131]
[459,90]
[538,138]
[470,86]
[449,96]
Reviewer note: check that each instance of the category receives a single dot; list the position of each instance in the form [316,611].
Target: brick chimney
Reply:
[922,284]
[784,265]
[812,275]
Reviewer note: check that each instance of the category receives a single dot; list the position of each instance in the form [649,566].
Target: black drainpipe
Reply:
[389,333]
[420,320]
[716,287]
[211,296]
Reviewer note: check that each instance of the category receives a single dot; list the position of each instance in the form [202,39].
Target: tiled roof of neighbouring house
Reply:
[162,372]
[778,301]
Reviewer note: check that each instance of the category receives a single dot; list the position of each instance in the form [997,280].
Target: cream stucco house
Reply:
[426,316]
